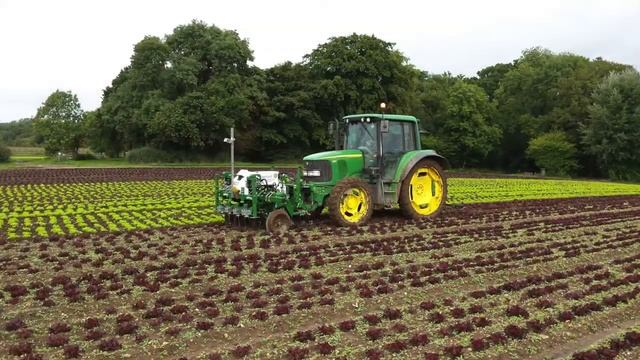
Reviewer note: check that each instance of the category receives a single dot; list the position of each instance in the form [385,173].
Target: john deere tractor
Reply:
[379,166]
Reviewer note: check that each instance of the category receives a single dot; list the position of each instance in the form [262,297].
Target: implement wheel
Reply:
[424,191]
[278,222]
[350,202]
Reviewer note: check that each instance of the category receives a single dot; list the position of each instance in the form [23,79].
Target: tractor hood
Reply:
[329,167]
[335,155]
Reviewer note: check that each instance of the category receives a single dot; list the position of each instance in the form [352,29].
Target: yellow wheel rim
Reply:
[354,205]
[425,190]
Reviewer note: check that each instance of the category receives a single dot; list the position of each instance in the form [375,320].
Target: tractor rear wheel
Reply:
[278,222]
[424,191]
[350,202]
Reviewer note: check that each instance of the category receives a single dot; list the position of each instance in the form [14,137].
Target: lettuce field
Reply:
[134,263]
[159,199]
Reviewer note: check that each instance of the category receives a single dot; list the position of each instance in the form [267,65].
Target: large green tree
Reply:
[490,77]
[457,118]
[181,92]
[201,118]
[124,112]
[102,134]
[546,92]
[356,72]
[290,121]
[612,131]
[60,123]
[19,133]
[554,153]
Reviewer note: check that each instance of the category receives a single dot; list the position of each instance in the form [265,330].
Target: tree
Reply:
[554,153]
[5,154]
[209,50]
[121,121]
[289,121]
[102,134]
[19,133]
[179,93]
[182,92]
[490,77]
[355,73]
[546,92]
[201,118]
[60,123]
[459,120]
[612,131]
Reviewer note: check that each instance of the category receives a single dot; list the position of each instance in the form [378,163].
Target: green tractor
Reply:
[380,166]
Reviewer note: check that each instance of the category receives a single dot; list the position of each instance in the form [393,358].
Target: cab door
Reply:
[397,139]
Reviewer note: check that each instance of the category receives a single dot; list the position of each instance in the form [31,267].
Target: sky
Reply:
[82,45]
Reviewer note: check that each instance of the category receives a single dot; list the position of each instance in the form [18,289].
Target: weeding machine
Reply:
[380,165]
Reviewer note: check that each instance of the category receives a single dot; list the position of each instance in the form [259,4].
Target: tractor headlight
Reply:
[311,173]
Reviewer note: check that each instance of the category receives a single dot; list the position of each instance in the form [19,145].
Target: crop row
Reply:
[456,326]
[484,190]
[88,175]
[259,255]
[58,209]
[467,315]
[28,211]
[126,292]
[610,349]
[92,175]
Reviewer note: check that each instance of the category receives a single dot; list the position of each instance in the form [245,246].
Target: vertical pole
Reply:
[252,181]
[336,138]
[216,188]
[233,165]
[380,184]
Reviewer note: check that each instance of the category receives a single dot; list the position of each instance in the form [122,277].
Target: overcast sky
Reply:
[82,45]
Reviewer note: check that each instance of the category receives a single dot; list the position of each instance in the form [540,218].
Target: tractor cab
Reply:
[382,139]
[377,163]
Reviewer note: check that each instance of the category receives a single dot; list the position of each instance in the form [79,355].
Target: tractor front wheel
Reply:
[350,202]
[424,191]
[278,222]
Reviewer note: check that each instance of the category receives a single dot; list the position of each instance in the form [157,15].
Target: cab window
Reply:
[409,137]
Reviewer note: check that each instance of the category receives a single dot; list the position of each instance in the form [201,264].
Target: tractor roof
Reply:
[393,117]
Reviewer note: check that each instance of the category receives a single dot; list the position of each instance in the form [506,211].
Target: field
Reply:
[20,151]
[24,158]
[117,263]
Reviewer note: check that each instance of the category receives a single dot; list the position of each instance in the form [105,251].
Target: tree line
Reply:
[563,112]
